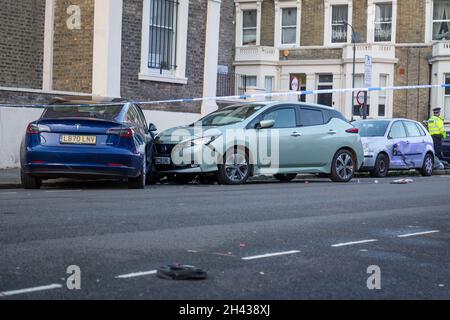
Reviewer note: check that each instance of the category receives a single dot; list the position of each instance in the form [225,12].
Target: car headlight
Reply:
[198,141]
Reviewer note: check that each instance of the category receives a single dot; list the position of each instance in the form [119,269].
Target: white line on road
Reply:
[136,274]
[28,290]
[59,191]
[417,233]
[270,255]
[352,243]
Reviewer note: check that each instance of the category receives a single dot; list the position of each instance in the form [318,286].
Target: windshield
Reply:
[227,116]
[371,128]
[104,112]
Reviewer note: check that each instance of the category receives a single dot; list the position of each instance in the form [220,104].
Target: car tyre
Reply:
[29,181]
[427,166]
[140,181]
[381,167]
[235,168]
[285,177]
[342,166]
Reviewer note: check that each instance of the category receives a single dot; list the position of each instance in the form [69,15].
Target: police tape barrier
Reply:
[242,97]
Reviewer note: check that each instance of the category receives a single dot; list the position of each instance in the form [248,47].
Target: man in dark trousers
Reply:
[437,131]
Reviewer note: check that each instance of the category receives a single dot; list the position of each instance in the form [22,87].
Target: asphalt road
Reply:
[268,240]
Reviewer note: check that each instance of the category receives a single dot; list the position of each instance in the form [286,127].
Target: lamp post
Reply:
[355,39]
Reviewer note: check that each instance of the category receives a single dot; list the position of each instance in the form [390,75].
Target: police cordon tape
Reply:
[245,96]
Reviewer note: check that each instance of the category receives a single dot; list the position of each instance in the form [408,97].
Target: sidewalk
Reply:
[10,178]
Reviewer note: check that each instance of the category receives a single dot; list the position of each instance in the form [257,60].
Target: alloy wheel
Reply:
[344,166]
[236,167]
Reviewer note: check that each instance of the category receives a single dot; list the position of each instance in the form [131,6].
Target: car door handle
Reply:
[296,134]
[332,132]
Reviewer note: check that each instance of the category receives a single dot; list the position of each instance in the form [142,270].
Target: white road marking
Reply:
[416,234]
[13,192]
[136,274]
[28,290]
[58,191]
[270,255]
[352,243]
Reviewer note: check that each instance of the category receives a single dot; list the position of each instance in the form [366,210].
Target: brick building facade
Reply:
[132,49]
[309,40]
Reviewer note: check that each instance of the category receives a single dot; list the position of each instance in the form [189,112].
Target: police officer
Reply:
[437,131]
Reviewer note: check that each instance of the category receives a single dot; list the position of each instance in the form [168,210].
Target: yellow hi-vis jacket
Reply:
[436,127]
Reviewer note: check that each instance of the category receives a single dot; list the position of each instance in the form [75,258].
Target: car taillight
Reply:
[33,128]
[352,130]
[121,132]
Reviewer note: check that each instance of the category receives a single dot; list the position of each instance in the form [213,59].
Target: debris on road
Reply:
[402,181]
[181,272]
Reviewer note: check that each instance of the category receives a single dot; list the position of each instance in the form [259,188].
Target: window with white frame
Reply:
[268,83]
[383,22]
[289,26]
[249,27]
[162,34]
[339,15]
[163,46]
[382,96]
[249,81]
[441,19]
[446,113]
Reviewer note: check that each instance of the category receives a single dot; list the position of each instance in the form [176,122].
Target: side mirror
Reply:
[152,127]
[266,124]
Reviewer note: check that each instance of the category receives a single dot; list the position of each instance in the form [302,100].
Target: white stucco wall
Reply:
[13,123]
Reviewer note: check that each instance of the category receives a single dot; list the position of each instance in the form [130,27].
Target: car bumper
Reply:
[101,162]
[188,160]
[368,162]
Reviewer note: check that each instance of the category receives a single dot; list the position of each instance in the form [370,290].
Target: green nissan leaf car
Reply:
[262,138]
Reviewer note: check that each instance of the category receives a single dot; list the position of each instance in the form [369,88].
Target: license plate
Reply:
[75,139]
[162,160]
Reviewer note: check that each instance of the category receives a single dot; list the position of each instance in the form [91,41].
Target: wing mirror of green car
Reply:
[266,124]
[152,127]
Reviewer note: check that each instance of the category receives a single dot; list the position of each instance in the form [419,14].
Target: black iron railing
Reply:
[231,84]
[163,33]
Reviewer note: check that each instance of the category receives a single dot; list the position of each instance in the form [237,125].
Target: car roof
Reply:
[277,102]
[77,100]
[388,119]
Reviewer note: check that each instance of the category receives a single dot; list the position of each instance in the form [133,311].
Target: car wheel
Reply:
[285,177]
[29,181]
[152,177]
[235,168]
[381,166]
[342,166]
[427,166]
[140,180]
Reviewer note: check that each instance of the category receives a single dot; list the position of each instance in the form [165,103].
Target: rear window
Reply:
[369,128]
[311,117]
[104,112]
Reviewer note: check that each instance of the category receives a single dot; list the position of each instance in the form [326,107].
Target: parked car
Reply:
[446,148]
[75,140]
[395,144]
[279,138]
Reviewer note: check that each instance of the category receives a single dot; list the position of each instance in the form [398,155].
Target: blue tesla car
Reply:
[75,139]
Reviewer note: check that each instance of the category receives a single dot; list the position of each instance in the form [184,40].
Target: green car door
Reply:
[280,140]
[317,142]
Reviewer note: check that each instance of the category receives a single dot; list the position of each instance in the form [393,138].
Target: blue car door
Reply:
[416,144]
[397,145]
